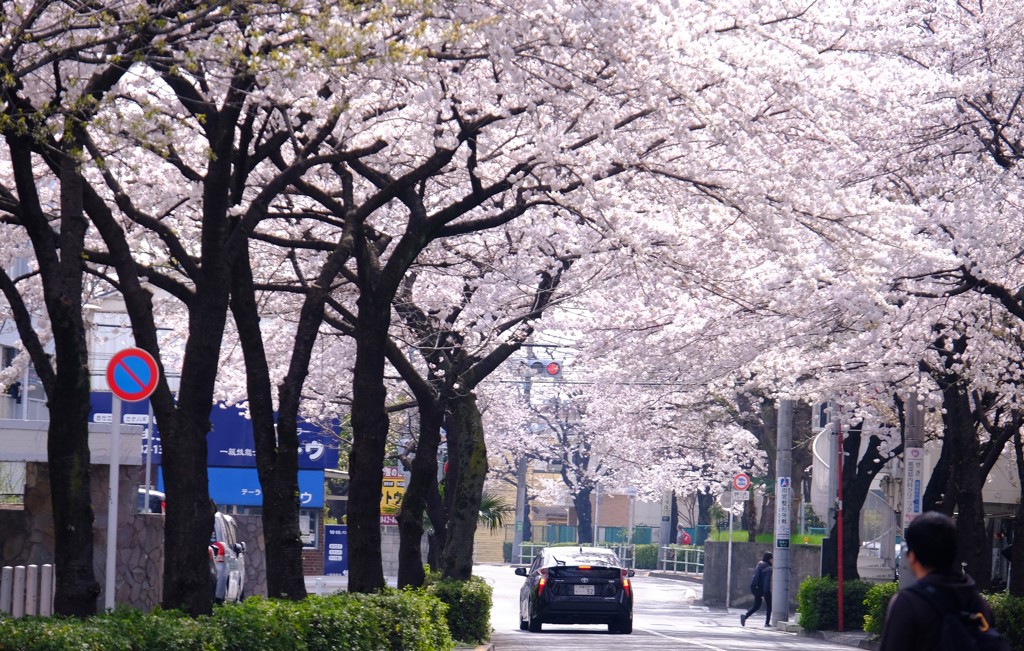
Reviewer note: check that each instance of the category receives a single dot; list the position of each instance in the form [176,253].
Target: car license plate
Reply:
[583,589]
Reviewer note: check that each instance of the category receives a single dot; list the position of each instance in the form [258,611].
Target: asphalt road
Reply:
[667,614]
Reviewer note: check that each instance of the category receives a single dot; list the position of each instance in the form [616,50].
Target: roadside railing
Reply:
[26,590]
[682,558]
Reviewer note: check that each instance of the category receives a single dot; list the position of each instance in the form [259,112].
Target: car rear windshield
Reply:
[601,560]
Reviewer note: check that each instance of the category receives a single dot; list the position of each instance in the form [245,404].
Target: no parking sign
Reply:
[741,482]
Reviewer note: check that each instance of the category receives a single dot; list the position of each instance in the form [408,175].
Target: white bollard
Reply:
[18,609]
[6,588]
[32,590]
[46,591]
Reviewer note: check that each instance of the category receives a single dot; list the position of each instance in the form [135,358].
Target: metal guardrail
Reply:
[27,590]
[682,558]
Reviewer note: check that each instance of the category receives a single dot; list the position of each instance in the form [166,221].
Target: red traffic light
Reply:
[546,367]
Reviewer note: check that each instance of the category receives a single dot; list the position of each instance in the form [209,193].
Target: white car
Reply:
[227,560]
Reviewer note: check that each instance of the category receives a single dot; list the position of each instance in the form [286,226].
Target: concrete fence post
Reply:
[18,608]
[32,590]
[46,590]
[6,588]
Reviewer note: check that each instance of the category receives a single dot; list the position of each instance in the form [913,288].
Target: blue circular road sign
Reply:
[132,374]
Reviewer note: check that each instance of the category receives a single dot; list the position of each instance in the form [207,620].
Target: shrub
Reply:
[645,557]
[390,620]
[877,603]
[408,620]
[1009,615]
[506,551]
[818,601]
[469,607]
[265,624]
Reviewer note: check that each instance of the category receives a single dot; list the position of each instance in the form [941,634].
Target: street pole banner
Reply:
[912,484]
[784,496]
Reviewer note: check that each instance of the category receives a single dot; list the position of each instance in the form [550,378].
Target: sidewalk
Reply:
[857,639]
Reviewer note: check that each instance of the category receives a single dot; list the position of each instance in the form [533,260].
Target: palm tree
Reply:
[493,510]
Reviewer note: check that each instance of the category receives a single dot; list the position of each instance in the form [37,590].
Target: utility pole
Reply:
[521,506]
[783,499]
[913,478]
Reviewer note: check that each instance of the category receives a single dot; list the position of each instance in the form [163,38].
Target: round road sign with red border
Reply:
[132,374]
[741,482]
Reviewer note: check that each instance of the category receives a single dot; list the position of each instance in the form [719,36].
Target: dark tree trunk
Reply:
[65,378]
[470,459]
[276,447]
[422,482]
[1017,553]
[858,474]
[704,502]
[370,431]
[584,515]
[965,483]
[68,400]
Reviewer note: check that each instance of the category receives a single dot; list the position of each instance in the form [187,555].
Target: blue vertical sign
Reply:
[335,550]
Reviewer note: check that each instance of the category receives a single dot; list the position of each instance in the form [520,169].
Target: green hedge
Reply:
[877,603]
[469,607]
[645,557]
[818,601]
[390,620]
[1009,614]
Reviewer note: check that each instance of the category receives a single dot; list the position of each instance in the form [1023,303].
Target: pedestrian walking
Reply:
[943,609]
[761,588]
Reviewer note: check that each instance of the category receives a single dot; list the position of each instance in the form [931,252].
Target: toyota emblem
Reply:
[584,580]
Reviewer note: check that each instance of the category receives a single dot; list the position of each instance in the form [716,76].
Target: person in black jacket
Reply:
[912,621]
[761,588]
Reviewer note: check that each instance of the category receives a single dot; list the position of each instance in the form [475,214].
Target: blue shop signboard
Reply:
[241,486]
[335,550]
[230,441]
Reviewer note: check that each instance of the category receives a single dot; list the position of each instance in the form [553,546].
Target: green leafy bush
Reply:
[124,629]
[469,607]
[877,603]
[391,620]
[506,551]
[1009,615]
[818,603]
[645,557]
[265,624]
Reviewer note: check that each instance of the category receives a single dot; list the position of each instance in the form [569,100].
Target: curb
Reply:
[678,576]
[859,640]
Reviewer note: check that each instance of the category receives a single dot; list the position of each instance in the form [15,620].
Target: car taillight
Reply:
[218,551]
[543,581]
[625,582]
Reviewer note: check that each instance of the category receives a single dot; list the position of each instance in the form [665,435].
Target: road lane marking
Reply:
[686,640]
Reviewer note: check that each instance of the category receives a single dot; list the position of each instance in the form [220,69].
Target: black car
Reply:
[576,585]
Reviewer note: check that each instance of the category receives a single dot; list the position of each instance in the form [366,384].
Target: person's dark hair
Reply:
[767,557]
[932,538]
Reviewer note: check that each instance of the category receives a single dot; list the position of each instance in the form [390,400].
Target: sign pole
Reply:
[728,561]
[149,460]
[740,484]
[112,485]
[132,375]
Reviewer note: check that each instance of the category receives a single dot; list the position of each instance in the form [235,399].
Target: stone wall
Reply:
[805,561]
[29,537]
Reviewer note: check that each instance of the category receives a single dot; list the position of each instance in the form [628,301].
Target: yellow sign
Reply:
[392,490]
